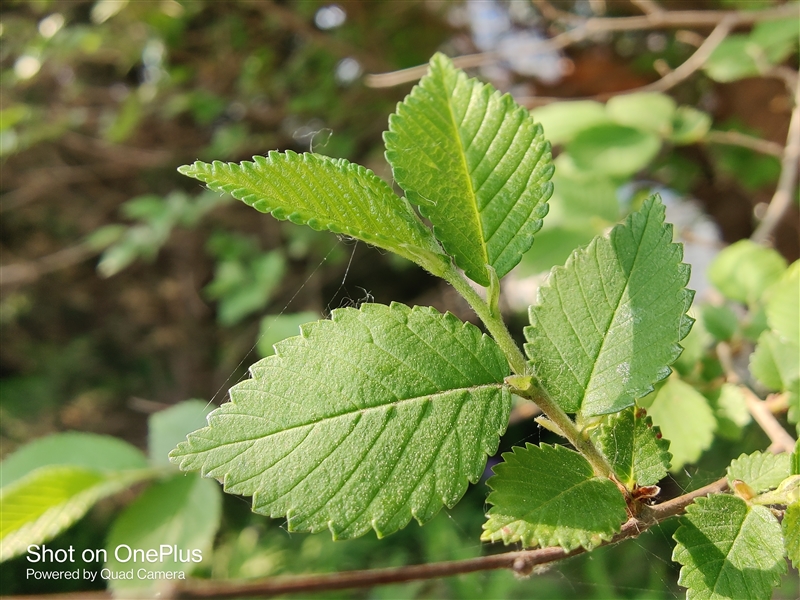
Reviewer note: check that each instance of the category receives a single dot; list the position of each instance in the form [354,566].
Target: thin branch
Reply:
[586,28]
[28,272]
[782,199]
[521,562]
[736,138]
[671,79]
[648,7]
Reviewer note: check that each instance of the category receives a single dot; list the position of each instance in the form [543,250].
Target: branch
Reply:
[782,199]
[736,138]
[521,562]
[583,29]
[27,272]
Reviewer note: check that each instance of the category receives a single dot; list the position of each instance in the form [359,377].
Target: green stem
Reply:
[497,328]
[494,323]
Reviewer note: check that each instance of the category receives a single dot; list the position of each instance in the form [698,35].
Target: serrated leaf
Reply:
[182,512]
[326,193]
[50,499]
[744,270]
[761,471]
[783,306]
[548,496]
[366,420]
[87,450]
[729,549]
[475,163]
[275,328]
[607,325]
[685,419]
[635,449]
[775,362]
[170,426]
[791,533]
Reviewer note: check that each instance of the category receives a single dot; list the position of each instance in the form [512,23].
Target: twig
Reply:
[648,7]
[767,421]
[760,411]
[782,199]
[521,562]
[736,138]
[586,28]
[28,272]
[671,79]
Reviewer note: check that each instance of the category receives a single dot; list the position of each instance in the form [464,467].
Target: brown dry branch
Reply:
[521,562]
[787,183]
[28,272]
[583,29]
[736,138]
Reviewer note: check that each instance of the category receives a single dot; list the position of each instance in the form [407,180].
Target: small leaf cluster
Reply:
[49,484]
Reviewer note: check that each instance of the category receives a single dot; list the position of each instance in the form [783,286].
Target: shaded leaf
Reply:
[183,512]
[170,426]
[602,332]
[689,125]
[548,496]
[729,549]
[364,421]
[775,362]
[783,306]
[791,533]
[87,450]
[730,410]
[326,193]
[613,150]
[744,270]
[761,471]
[475,163]
[47,501]
[635,449]
[685,419]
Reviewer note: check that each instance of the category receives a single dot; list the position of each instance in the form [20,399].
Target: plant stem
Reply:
[521,562]
[494,323]
[496,326]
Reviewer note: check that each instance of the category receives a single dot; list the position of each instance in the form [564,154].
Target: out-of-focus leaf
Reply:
[744,270]
[275,328]
[562,121]
[613,150]
[168,427]
[649,111]
[689,125]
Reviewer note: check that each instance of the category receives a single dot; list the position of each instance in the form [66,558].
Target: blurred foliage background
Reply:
[125,288]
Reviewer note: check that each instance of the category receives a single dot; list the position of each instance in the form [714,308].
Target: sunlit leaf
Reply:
[365,421]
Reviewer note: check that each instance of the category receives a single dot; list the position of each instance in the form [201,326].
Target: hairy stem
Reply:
[493,322]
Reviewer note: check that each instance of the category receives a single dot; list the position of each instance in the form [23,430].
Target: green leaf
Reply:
[275,328]
[635,449]
[170,426]
[730,409]
[719,321]
[729,549]
[475,163]
[548,496]
[731,60]
[88,450]
[562,121]
[783,306]
[689,125]
[178,517]
[744,270]
[607,325]
[795,462]
[366,420]
[326,193]
[775,362]
[613,150]
[47,501]
[685,419]
[761,471]
[650,111]
[791,533]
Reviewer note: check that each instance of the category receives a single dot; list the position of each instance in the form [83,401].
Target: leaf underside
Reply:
[761,471]
[475,163]
[634,448]
[729,549]
[365,421]
[548,496]
[607,325]
[326,193]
